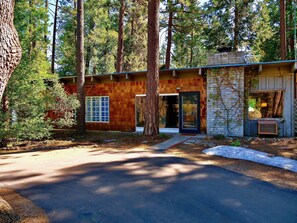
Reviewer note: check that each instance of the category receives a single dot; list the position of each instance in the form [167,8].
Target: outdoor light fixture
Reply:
[263,104]
[260,68]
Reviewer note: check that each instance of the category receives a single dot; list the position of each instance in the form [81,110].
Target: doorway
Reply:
[189,110]
[168,112]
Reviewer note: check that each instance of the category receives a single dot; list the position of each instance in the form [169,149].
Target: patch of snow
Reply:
[252,155]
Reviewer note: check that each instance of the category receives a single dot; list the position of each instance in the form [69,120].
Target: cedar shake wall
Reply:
[122,100]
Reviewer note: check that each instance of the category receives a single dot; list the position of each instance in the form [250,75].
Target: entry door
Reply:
[189,110]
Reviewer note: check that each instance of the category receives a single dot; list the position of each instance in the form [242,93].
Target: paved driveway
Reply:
[87,185]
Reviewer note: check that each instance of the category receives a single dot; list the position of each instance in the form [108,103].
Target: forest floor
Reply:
[190,149]
[97,139]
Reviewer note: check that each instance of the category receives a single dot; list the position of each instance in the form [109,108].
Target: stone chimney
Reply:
[223,58]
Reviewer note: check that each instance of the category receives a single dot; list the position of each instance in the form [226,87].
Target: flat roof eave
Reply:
[116,74]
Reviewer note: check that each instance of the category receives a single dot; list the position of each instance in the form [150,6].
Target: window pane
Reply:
[104,109]
[95,112]
[88,109]
[266,104]
[97,109]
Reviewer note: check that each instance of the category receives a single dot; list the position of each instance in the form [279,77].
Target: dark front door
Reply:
[189,112]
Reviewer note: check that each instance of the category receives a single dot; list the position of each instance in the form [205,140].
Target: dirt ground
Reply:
[24,208]
[278,147]
[97,139]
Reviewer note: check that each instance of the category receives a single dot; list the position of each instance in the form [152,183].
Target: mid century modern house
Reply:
[228,96]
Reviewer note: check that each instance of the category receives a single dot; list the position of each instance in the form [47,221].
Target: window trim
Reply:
[263,91]
[100,109]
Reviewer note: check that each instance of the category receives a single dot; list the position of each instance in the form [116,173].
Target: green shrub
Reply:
[236,143]
[30,98]
[163,136]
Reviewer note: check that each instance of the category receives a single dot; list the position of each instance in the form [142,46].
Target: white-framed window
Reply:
[97,109]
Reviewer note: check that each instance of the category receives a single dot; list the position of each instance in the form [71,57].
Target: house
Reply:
[229,96]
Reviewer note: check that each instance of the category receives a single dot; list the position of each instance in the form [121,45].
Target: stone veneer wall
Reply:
[226,58]
[225,86]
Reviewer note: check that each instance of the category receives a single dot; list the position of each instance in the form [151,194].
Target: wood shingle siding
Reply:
[122,98]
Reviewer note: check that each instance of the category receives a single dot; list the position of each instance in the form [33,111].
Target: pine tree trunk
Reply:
[283,41]
[89,51]
[88,60]
[119,66]
[5,109]
[10,49]
[192,48]
[4,102]
[45,34]
[54,37]
[80,70]
[290,29]
[151,127]
[236,27]
[169,38]
[32,28]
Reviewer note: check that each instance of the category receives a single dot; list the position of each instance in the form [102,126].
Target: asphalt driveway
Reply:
[87,185]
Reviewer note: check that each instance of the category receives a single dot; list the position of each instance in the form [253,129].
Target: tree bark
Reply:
[236,27]
[283,37]
[80,70]
[290,29]
[89,51]
[10,48]
[5,109]
[54,38]
[169,37]
[45,35]
[32,28]
[4,102]
[192,48]
[151,127]
[119,66]
[88,59]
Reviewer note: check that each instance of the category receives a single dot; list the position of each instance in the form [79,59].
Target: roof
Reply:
[281,62]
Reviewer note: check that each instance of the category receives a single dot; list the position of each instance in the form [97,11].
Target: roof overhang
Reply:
[129,76]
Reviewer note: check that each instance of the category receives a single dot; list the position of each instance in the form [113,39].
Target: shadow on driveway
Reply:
[160,189]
